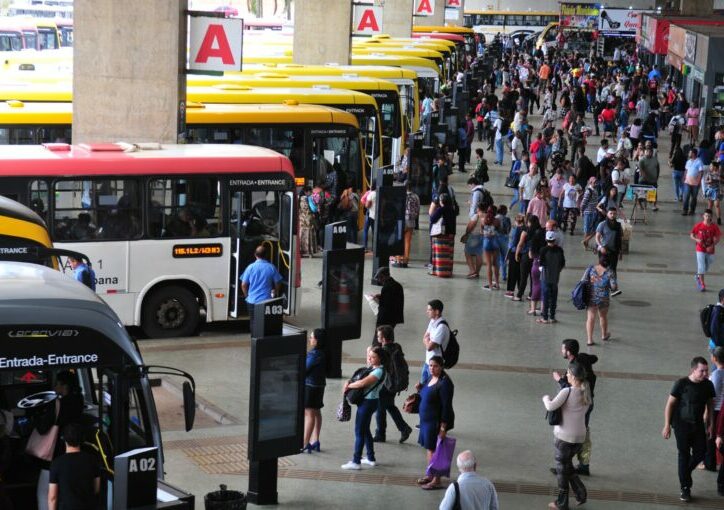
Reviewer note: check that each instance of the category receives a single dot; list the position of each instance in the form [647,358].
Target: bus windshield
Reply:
[63,350]
[10,41]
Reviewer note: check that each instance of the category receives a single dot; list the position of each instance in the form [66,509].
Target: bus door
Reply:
[261,218]
[337,148]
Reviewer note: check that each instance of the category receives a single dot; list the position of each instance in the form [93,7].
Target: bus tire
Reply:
[171,311]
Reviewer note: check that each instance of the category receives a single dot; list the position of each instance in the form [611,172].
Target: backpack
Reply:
[398,375]
[356,396]
[705,317]
[451,353]
[540,153]
[504,127]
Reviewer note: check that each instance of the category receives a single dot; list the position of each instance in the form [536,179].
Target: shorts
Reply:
[712,194]
[589,222]
[608,127]
[703,262]
[474,245]
[490,244]
[313,397]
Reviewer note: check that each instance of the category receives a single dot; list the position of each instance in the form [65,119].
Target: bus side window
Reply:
[184,208]
[39,198]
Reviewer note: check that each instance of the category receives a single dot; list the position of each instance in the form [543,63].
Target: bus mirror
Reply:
[189,405]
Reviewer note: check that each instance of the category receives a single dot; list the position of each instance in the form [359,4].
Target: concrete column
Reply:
[701,8]
[322,31]
[397,18]
[438,17]
[128,70]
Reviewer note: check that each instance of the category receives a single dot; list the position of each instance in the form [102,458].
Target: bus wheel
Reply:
[169,312]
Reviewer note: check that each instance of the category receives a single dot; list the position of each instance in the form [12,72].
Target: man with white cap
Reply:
[552,262]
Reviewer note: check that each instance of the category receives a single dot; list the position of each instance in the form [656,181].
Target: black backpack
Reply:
[705,317]
[398,375]
[481,172]
[451,353]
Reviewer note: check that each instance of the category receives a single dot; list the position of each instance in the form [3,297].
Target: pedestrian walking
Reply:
[412,214]
[717,379]
[602,282]
[473,239]
[609,235]
[706,235]
[260,280]
[570,434]
[692,182]
[689,410]
[396,380]
[514,273]
[490,228]
[436,336]
[568,202]
[470,490]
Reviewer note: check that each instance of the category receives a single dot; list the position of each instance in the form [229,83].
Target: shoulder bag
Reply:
[42,446]
[581,294]
[437,228]
[344,411]
[412,404]
[555,417]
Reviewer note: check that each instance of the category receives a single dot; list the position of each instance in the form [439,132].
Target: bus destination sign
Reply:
[187,251]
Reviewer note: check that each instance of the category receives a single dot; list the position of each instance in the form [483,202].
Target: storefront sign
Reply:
[619,20]
[690,46]
[579,15]
[697,74]
[677,41]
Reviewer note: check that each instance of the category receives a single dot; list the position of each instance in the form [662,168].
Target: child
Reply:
[552,262]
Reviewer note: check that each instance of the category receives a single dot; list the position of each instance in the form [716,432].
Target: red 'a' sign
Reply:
[453,3]
[215,45]
[424,8]
[368,21]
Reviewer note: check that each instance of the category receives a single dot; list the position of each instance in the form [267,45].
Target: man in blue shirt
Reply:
[83,273]
[260,281]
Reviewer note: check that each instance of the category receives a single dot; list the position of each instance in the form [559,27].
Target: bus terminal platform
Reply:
[504,370]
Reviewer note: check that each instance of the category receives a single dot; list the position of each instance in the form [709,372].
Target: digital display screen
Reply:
[278,392]
[345,295]
[182,251]
[390,224]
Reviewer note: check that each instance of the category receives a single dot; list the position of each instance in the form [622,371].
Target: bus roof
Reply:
[514,13]
[40,113]
[381,71]
[12,209]
[110,159]
[242,94]
[450,29]
[456,38]
[33,296]
[281,79]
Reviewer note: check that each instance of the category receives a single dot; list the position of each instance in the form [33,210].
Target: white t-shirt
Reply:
[439,335]
[570,195]
[516,148]
[617,176]
[600,154]
[497,125]
[527,185]
[370,204]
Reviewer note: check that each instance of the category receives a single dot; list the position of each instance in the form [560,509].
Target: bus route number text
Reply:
[181,251]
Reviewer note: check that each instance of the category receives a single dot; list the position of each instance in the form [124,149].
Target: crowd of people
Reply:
[554,180]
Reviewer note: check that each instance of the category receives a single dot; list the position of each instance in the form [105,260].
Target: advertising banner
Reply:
[579,15]
[619,20]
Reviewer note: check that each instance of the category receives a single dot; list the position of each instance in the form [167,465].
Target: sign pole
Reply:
[263,477]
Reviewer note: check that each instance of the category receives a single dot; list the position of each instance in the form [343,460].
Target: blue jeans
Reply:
[516,198]
[362,434]
[554,209]
[369,224]
[524,206]
[499,151]
[550,300]
[691,193]
[677,177]
[352,227]
[502,251]
[589,222]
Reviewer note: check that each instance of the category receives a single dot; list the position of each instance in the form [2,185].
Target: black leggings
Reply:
[525,264]
[513,272]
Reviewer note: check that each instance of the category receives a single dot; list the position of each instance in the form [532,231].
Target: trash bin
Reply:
[225,500]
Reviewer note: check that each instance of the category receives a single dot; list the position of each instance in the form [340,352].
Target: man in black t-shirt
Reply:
[689,399]
[75,476]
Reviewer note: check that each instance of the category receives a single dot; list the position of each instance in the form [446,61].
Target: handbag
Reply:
[357,395]
[344,411]
[442,458]
[513,181]
[581,293]
[437,228]
[42,446]
[555,417]
[412,404]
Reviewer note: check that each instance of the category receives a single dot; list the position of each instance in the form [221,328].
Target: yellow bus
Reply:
[405,79]
[23,230]
[505,22]
[444,46]
[467,33]
[384,93]
[306,134]
[434,56]
[48,34]
[450,66]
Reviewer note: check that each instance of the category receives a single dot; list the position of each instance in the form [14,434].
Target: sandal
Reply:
[431,486]
[542,321]
[531,312]
[592,343]
[423,481]
[606,338]
[516,298]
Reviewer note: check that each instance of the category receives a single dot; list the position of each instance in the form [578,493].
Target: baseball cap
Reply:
[550,236]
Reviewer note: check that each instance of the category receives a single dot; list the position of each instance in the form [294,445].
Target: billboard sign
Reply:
[619,20]
[579,15]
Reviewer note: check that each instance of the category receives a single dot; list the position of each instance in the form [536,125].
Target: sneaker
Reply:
[351,466]
[379,439]
[368,462]
[616,293]
[685,495]
[699,283]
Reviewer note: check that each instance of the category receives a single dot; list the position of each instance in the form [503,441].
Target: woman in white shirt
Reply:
[574,402]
